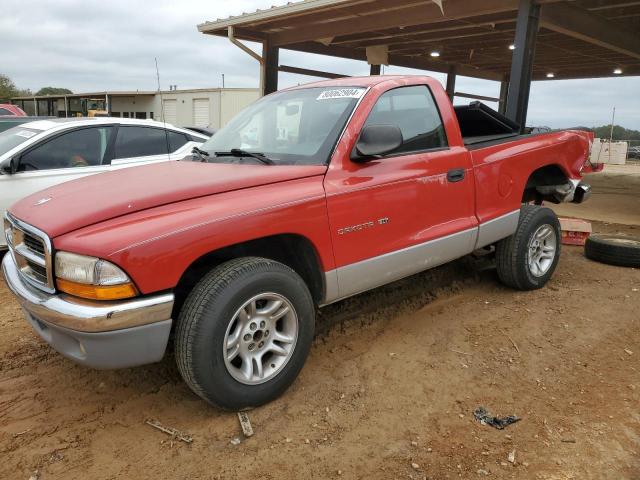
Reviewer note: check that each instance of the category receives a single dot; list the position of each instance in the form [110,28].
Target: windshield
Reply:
[9,139]
[294,127]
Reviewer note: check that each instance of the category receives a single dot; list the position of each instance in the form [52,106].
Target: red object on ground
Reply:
[574,231]
[8,110]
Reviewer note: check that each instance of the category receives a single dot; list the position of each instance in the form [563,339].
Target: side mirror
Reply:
[378,140]
[10,166]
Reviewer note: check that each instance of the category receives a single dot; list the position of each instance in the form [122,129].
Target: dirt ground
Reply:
[388,391]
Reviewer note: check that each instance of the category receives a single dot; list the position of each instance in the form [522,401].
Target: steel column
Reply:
[451,82]
[522,62]
[502,104]
[271,59]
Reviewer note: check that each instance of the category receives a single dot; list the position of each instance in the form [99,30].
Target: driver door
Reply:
[404,211]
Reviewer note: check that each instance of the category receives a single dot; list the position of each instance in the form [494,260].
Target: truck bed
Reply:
[482,126]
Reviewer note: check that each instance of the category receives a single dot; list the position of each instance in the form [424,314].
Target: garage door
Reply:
[201,112]
[170,108]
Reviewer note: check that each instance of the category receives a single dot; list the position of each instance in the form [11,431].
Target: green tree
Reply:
[53,91]
[619,132]
[9,90]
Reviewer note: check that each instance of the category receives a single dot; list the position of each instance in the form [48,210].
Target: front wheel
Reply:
[527,259]
[244,332]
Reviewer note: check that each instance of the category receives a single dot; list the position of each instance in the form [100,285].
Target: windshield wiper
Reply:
[201,154]
[236,152]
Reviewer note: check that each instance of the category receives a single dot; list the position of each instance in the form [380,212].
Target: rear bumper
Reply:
[96,334]
[581,193]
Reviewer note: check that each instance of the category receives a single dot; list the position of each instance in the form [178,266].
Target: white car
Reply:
[39,154]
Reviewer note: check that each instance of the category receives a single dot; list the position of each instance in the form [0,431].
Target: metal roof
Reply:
[86,95]
[125,93]
[577,38]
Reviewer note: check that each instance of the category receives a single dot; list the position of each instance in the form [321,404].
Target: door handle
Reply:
[455,175]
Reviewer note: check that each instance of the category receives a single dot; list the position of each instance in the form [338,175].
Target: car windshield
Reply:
[293,127]
[9,139]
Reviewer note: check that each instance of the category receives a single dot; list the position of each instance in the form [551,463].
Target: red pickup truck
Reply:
[309,196]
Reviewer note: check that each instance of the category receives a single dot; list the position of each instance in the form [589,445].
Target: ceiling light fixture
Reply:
[617,71]
[512,47]
[550,75]
[435,53]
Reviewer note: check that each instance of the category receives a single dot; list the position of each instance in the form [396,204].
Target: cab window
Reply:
[84,147]
[414,111]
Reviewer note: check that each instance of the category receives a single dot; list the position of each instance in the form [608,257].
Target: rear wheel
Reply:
[244,333]
[527,259]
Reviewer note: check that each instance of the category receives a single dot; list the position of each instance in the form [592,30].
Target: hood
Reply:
[96,198]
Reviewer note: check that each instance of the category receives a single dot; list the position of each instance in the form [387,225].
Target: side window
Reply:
[176,140]
[4,111]
[414,111]
[80,148]
[140,142]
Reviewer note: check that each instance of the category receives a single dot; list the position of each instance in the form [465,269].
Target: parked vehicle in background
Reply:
[8,110]
[308,196]
[633,152]
[39,154]
[208,131]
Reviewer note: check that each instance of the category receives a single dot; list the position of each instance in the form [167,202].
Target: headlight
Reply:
[91,277]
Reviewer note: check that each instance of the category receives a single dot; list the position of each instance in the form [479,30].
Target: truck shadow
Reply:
[403,296]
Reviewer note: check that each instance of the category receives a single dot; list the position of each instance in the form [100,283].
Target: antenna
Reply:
[164,120]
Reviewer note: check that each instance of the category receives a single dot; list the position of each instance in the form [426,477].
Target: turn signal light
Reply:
[97,292]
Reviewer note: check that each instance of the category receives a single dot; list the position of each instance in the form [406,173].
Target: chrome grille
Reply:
[31,250]
[34,244]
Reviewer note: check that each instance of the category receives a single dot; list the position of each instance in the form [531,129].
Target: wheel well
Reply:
[547,176]
[295,251]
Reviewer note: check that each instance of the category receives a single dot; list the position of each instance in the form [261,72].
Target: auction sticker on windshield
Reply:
[341,93]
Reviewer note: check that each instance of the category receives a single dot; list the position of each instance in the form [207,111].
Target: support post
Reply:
[451,82]
[504,89]
[522,62]
[374,70]
[270,61]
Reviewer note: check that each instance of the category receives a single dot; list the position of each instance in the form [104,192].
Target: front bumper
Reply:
[96,334]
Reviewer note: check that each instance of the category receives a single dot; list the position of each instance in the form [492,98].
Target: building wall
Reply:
[223,105]
[179,105]
[130,106]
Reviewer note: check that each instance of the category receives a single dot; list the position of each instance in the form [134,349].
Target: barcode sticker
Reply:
[25,133]
[341,93]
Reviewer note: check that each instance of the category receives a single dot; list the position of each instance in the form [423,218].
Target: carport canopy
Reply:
[510,41]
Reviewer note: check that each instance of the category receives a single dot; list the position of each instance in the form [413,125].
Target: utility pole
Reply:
[223,80]
[613,119]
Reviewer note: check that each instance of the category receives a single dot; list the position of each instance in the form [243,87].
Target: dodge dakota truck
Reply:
[310,195]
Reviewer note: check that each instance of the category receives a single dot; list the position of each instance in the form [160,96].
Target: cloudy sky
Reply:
[93,45]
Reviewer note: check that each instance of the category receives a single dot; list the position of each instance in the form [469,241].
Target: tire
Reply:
[213,314]
[614,250]
[515,267]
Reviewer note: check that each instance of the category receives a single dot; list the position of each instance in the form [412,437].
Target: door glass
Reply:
[13,137]
[414,111]
[140,142]
[81,148]
[176,140]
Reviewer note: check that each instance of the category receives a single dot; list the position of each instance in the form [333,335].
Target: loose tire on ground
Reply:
[527,259]
[613,250]
[220,314]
